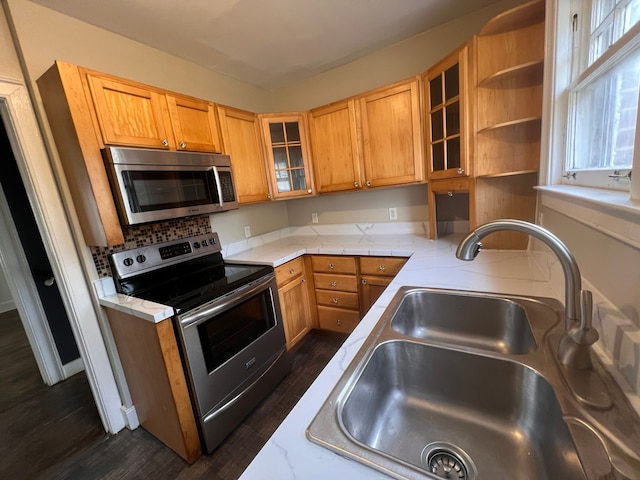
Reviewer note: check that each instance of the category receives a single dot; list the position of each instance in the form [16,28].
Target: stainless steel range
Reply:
[227,321]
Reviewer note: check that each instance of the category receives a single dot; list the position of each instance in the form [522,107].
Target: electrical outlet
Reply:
[314,217]
[247,231]
[393,213]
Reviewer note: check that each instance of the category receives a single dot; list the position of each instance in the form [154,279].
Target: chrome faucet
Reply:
[579,334]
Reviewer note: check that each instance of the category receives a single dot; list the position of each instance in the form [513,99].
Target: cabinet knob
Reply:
[333,284]
[291,271]
[356,184]
[309,191]
[460,170]
[303,279]
[368,183]
[183,145]
[364,282]
[331,266]
[381,268]
[165,143]
[334,300]
[338,322]
[269,196]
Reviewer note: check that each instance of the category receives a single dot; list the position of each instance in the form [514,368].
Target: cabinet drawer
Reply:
[338,299]
[337,319]
[288,271]
[337,264]
[387,266]
[328,281]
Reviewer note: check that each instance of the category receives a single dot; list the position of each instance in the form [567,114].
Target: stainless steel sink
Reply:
[466,385]
[431,407]
[481,321]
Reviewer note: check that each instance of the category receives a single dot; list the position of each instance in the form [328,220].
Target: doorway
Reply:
[39,268]
[47,410]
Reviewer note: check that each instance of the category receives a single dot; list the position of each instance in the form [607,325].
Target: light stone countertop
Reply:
[288,454]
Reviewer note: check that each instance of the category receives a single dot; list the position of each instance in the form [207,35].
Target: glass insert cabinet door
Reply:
[445,100]
[287,154]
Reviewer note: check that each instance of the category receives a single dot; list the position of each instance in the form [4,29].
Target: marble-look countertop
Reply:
[288,454]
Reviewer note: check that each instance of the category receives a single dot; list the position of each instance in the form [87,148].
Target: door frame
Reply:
[14,265]
[75,289]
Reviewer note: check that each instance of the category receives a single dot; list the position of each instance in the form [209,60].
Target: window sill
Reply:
[609,211]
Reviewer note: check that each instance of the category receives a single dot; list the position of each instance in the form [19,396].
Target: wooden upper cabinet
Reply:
[447,111]
[391,135]
[129,114]
[194,124]
[243,142]
[287,154]
[335,147]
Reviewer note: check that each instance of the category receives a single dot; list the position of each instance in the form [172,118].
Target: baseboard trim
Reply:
[73,367]
[130,417]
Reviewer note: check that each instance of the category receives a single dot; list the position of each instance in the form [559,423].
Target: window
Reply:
[603,93]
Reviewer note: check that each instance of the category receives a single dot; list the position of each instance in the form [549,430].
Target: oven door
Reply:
[148,193]
[234,350]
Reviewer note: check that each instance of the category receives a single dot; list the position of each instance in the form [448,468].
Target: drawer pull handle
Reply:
[334,300]
[333,284]
[338,322]
[331,266]
[291,271]
[381,267]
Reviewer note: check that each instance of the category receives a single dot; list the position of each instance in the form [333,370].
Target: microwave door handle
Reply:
[218,187]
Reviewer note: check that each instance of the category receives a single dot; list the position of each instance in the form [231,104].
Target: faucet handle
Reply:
[585,334]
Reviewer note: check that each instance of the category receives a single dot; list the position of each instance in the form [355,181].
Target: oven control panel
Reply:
[143,259]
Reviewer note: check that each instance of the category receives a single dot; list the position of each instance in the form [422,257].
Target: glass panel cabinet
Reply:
[287,154]
[446,100]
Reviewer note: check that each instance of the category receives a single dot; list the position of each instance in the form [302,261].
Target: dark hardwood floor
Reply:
[55,433]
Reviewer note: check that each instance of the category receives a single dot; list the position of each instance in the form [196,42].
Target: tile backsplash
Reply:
[150,234]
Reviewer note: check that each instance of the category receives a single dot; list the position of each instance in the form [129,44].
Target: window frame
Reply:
[567,29]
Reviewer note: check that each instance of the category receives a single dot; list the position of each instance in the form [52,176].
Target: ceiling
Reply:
[267,43]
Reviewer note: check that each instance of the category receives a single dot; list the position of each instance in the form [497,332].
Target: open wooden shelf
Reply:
[512,124]
[519,17]
[527,74]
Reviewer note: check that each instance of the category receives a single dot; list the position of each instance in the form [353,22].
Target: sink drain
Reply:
[445,460]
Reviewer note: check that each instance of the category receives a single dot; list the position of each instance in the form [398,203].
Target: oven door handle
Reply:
[231,402]
[196,317]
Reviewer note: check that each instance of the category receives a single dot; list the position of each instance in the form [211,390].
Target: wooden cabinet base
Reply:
[155,377]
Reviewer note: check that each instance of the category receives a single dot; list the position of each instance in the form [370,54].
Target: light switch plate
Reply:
[247,231]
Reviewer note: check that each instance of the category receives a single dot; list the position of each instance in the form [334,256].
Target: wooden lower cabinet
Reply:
[331,292]
[376,273]
[295,304]
[156,379]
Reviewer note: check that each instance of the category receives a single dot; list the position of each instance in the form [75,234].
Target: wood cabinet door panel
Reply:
[296,310]
[129,115]
[333,264]
[371,287]
[385,266]
[194,124]
[330,281]
[337,319]
[243,142]
[288,271]
[334,147]
[338,299]
[392,144]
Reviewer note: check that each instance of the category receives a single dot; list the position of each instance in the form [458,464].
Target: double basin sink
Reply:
[464,385]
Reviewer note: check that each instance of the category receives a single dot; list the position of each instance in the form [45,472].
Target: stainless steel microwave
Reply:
[153,185]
